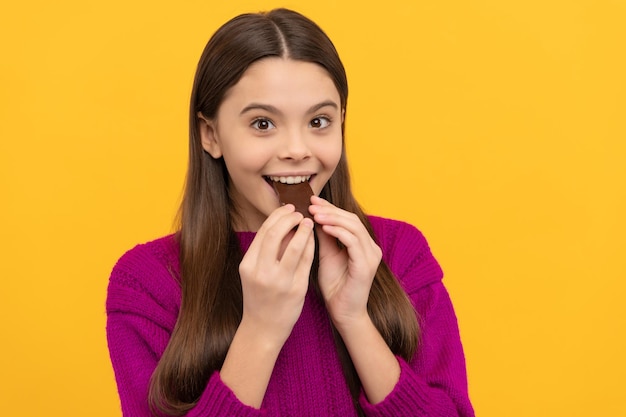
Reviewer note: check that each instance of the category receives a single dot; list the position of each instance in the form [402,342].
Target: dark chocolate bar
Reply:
[297,194]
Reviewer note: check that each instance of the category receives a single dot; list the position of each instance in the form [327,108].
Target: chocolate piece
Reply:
[297,194]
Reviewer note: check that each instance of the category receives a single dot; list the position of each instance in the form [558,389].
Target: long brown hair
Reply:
[212,303]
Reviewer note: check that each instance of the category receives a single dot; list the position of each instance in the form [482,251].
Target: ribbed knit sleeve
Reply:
[434,382]
[142,306]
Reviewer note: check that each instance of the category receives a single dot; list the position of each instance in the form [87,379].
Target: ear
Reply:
[208,136]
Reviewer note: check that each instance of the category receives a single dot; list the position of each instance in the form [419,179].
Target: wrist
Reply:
[364,342]
[257,337]
[354,325]
[249,364]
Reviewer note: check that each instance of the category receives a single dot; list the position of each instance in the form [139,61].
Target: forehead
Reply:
[284,83]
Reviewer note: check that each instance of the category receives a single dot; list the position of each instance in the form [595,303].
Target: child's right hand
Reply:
[275,275]
[274,279]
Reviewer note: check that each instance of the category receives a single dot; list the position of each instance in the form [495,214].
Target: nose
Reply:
[294,146]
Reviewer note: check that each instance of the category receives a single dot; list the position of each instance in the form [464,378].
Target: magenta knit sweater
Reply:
[143,302]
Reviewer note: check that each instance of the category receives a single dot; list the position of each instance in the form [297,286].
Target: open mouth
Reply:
[290,180]
[294,190]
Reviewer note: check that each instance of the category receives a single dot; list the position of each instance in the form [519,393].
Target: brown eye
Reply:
[262,124]
[319,122]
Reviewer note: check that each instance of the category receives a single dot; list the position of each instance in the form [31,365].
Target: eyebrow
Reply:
[271,109]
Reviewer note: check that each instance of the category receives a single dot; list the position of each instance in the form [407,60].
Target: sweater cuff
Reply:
[410,397]
[219,400]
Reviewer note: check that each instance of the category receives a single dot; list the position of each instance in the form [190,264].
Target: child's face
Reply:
[283,118]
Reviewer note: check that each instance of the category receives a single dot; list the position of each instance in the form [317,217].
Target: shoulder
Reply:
[150,257]
[406,252]
[398,238]
[147,270]
[390,229]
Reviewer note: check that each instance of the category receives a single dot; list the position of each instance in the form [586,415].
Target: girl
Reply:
[252,309]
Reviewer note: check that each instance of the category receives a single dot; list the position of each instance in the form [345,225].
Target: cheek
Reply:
[246,157]
[333,153]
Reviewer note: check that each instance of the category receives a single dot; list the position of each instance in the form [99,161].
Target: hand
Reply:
[275,274]
[345,274]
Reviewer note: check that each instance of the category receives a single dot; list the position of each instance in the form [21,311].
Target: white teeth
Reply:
[291,180]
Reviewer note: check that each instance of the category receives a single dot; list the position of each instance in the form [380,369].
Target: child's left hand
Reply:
[345,274]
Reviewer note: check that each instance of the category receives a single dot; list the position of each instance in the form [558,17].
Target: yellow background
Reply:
[497,127]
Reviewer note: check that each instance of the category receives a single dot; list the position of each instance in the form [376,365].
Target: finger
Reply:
[363,257]
[319,203]
[271,241]
[325,209]
[274,218]
[303,268]
[317,200]
[333,216]
[296,254]
[356,240]
[342,225]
